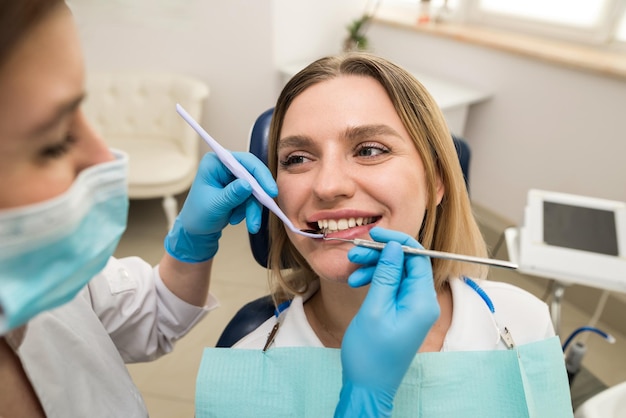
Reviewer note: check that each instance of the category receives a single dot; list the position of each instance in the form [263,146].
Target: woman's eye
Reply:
[293,159]
[59,149]
[371,150]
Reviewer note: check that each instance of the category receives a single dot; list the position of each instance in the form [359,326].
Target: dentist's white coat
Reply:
[74,355]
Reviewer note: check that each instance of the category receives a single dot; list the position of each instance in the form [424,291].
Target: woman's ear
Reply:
[440,191]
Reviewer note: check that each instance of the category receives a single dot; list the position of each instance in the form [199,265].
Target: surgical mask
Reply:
[50,250]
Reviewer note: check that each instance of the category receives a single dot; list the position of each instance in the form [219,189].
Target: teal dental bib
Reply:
[528,381]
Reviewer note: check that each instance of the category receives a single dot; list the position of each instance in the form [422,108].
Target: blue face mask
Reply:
[50,250]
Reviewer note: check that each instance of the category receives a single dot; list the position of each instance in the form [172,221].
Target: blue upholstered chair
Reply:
[253,314]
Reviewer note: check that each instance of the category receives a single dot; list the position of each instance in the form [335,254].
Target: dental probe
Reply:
[430,253]
[240,172]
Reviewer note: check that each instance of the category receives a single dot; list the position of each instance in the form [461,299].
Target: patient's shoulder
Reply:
[509,293]
[516,306]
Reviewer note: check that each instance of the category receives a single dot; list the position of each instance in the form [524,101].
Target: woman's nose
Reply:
[333,180]
[91,148]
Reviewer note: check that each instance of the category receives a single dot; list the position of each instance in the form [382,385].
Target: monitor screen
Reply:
[580,228]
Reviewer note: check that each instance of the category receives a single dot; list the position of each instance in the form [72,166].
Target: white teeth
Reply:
[332,225]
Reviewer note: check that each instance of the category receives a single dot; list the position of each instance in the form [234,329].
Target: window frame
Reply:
[601,35]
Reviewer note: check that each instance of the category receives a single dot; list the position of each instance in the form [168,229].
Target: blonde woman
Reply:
[359,149]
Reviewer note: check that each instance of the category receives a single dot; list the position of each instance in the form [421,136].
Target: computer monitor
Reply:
[574,238]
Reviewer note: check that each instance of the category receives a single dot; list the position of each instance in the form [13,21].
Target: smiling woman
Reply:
[360,150]
[357,146]
[386,123]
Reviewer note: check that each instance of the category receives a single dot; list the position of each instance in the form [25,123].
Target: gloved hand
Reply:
[383,338]
[217,198]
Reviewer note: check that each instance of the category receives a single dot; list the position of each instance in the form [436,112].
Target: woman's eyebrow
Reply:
[56,115]
[360,132]
[294,141]
[351,134]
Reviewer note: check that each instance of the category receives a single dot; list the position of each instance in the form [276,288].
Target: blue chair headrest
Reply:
[259,137]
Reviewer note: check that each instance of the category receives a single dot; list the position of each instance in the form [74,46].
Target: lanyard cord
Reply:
[277,313]
[281,307]
[471,283]
[503,332]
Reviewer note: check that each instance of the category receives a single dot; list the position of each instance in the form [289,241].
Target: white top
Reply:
[472,327]
[74,355]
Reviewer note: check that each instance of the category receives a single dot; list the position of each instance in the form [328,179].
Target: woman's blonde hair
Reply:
[449,226]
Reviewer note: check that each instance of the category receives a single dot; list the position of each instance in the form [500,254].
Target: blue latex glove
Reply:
[383,338]
[217,198]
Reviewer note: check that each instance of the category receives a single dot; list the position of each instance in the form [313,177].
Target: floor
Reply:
[168,383]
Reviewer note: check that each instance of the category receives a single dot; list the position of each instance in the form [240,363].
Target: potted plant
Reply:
[356,39]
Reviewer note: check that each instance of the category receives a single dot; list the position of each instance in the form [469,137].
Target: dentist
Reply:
[71,316]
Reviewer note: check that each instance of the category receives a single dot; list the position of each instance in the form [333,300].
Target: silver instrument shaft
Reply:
[430,253]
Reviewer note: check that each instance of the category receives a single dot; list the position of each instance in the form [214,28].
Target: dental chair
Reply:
[254,313]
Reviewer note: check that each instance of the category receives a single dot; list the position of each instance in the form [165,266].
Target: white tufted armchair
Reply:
[136,112]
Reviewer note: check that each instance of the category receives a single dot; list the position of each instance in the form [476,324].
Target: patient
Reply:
[359,149]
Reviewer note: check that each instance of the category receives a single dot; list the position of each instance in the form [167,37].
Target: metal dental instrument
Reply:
[240,171]
[430,253]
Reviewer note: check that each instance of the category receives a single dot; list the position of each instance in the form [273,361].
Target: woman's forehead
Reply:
[30,94]
[341,101]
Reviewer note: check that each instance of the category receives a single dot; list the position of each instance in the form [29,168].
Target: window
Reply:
[597,22]
[582,13]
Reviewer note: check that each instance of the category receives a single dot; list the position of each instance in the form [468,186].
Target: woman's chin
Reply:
[338,274]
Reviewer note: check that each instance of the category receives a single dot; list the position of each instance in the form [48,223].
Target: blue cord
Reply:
[603,334]
[281,307]
[487,300]
[471,283]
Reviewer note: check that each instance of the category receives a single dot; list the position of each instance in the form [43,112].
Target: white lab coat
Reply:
[472,327]
[74,355]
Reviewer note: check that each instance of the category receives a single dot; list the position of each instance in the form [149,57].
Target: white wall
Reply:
[228,44]
[235,46]
[306,30]
[546,126]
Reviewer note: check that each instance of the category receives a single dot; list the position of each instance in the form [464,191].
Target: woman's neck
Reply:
[331,309]
[17,397]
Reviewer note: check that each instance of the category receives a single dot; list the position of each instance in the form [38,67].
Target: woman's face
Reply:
[346,163]
[45,140]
